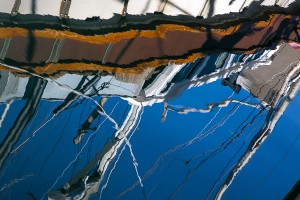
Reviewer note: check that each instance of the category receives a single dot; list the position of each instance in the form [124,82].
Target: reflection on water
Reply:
[132,113]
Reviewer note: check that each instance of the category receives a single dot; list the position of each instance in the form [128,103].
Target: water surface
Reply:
[174,107]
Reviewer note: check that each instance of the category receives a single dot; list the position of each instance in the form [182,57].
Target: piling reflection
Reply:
[118,108]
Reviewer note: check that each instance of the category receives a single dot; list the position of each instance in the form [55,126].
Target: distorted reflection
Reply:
[187,107]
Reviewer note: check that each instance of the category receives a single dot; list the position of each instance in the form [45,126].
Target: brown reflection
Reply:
[51,50]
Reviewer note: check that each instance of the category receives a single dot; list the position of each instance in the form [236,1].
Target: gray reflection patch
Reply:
[55,53]
[162,6]
[107,52]
[64,8]
[5,47]
[16,8]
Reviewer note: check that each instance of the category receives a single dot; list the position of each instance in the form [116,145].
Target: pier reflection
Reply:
[150,106]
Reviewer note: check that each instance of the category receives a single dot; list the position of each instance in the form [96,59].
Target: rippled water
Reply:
[179,108]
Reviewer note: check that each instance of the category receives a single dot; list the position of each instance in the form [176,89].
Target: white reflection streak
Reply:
[192,140]
[281,72]
[186,144]
[67,88]
[33,134]
[108,178]
[7,106]
[15,181]
[77,156]
[221,123]
[209,132]
[230,168]
[62,86]
[200,134]
[220,181]
[135,164]
[264,132]
[181,146]
[210,107]
[43,124]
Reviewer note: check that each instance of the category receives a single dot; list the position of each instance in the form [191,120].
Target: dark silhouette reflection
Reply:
[31,46]
[210,4]
[16,8]
[34,91]
[86,126]
[33,7]
[294,193]
[85,185]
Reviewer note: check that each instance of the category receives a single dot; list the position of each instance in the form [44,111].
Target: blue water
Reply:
[197,170]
